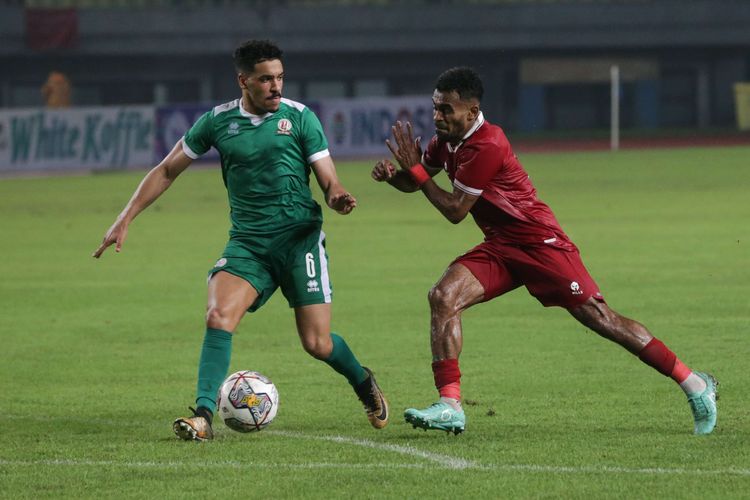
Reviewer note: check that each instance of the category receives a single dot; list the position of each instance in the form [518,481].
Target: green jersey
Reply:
[265,163]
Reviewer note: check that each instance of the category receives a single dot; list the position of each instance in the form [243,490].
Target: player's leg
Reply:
[306,285]
[559,278]
[599,317]
[700,388]
[229,297]
[314,328]
[457,290]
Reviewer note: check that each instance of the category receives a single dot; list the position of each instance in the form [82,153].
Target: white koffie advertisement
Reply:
[76,138]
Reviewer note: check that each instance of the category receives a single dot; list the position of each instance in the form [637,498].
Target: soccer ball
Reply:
[248,401]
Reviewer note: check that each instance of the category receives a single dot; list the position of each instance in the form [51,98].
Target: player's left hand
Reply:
[383,171]
[342,202]
[408,151]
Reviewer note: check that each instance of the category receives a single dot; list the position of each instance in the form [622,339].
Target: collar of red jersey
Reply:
[477,123]
[254,119]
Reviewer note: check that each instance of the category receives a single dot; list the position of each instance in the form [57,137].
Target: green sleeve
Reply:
[200,136]
[313,138]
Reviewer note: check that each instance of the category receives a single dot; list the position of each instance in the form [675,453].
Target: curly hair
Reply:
[464,80]
[250,53]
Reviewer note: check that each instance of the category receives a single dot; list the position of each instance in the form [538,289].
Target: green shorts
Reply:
[296,261]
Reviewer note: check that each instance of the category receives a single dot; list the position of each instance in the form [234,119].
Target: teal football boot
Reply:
[439,416]
[703,405]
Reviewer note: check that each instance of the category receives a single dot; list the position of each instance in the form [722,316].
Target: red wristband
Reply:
[418,174]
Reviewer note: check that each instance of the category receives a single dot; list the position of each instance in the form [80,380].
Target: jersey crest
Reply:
[284,127]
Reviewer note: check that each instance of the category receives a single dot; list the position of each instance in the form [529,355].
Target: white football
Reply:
[248,401]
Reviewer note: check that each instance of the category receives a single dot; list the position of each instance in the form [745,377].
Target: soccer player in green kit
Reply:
[268,147]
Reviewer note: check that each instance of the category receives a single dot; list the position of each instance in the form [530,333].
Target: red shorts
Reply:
[554,276]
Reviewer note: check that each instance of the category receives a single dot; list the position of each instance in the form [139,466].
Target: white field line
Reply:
[523,468]
[444,460]
[439,461]
[200,465]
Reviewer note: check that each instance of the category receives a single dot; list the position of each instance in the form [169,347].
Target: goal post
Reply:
[614,126]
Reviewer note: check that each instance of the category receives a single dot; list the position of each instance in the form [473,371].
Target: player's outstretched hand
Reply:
[383,171]
[115,235]
[407,151]
[342,202]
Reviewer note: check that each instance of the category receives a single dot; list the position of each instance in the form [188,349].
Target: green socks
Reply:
[213,367]
[217,351]
[343,361]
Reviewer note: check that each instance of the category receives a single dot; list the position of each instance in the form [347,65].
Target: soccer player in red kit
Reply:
[524,245]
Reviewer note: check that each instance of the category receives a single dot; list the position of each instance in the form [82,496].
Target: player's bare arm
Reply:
[337,197]
[151,187]
[407,151]
[454,206]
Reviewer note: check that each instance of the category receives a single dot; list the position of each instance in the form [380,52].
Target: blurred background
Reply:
[547,64]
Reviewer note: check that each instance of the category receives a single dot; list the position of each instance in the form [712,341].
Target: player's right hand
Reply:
[383,171]
[116,234]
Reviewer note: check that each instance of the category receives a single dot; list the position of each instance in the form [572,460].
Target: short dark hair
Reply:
[464,80]
[250,53]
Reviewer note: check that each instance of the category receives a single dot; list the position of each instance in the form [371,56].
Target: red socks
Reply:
[655,354]
[447,378]
[680,372]
[659,357]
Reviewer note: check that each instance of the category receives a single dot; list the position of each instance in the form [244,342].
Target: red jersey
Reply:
[508,209]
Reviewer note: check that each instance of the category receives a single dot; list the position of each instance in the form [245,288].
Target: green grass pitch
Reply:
[98,357]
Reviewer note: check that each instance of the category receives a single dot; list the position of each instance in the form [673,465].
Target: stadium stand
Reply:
[547,60]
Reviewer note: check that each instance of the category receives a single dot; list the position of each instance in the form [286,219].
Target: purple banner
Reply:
[171,124]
